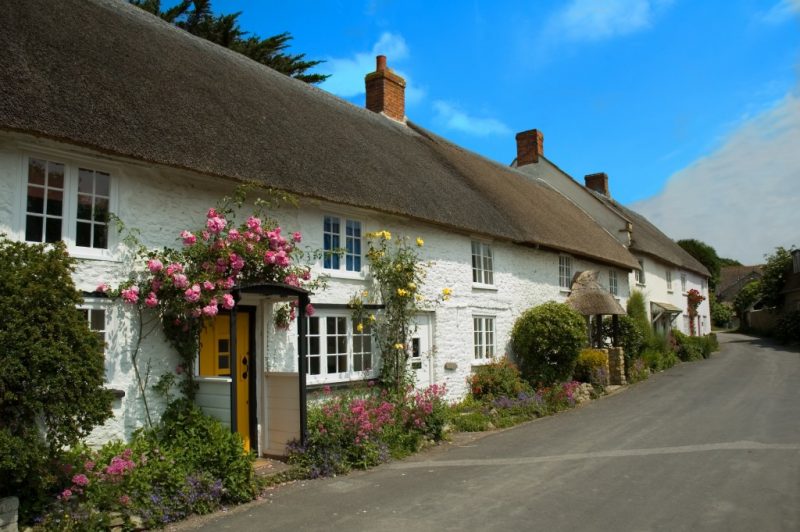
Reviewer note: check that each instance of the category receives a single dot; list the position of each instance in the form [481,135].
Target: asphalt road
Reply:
[709,445]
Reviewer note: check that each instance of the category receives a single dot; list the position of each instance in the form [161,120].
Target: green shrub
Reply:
[500,378]
[637,371]
[787,330]
[690,348]
[547,340]
[637,310]
[592,366]
[630,336]
[721,315]
[658,360]
[51,369]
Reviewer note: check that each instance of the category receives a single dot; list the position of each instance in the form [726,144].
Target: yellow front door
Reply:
[215,361]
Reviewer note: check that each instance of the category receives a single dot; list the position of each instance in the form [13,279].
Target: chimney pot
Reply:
[598,182]
[386,91]
[530,146]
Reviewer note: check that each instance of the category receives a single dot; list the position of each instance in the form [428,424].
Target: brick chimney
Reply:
[598,183]
[530,146]
[386,91]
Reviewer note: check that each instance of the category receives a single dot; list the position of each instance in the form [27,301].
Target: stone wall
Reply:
[9,507]
[616,366]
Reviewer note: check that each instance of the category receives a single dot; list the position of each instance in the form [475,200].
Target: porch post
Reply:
[615,330]
[302,340]
[233,363]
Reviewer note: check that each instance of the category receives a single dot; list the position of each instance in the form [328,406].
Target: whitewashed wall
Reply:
[160,202]
[655,288]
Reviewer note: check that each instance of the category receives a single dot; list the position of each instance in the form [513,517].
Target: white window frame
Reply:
[483,267]
[639,275]
[94,305]
[341,270]
[69,215]
[565,272]
[349,374]
[613,283]
[669,279]
[484,337]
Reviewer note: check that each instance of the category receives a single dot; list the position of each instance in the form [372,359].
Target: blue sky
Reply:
[666,96]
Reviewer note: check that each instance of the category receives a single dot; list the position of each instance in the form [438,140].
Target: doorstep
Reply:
[267,467]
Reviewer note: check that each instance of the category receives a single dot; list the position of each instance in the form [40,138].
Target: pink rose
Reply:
[216,224]
[237,262]
[155,285]
[208,286]
[253,223]
[102,288]
[233,235]
[180,280]
[66,494]
[205,235]
[212,213]
[222,265]
[192,295]
[131,295]
[270,257]
[188,238]
[227,301]
[210,310]
[151,300]
[296,236]
[80,480]
[306,275]
[154,265]
[310,310]
[175,267]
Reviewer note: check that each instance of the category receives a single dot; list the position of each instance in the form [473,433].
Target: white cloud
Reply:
[455,119]
[744,198]
[593,20]
[781,12]
[347,73]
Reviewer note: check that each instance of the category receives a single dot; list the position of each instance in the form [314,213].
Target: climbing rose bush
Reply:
[188,285]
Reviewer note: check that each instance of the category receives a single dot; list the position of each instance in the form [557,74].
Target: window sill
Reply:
[344,274]
[670,291]
[338,382]
[641,284]
[480,362]
[90,254]
[480,286]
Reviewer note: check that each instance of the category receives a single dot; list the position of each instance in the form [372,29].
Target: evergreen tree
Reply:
[197,17]
[707,256]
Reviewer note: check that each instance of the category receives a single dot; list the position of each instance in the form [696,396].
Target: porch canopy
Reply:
[666,310]
[303,298]
[591,299]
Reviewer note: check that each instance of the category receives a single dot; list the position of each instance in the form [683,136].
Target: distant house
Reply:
[665,272]
[733,278]
[103,104]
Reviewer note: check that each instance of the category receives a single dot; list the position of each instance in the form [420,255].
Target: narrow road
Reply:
[710,445]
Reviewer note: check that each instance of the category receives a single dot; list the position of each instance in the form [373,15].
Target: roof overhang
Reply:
[668,310]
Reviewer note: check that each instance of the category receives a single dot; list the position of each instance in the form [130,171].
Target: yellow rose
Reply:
[412,286]
[360,327]
[446,293]
[372,317]
[399,346]
[420,242]
[365,293]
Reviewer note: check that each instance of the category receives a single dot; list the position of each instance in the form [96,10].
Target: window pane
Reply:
[85,181]
[100,240]
[98,320]
[36,171]
[101,210]
[35,200]
[224,362]
[83,236]
[342,363]
[331,344]
[313,325]
[342,344]
[84,207]
[55,201]
[313,345]
[52,231]
[102,184]
[313,366]
[55,175]
[33,228]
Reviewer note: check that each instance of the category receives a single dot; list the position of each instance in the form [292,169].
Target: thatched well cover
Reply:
[591,299]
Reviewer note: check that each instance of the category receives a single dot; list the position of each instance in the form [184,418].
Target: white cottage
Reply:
[665,272]
[105,108]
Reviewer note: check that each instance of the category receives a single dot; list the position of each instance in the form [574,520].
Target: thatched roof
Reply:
[649,240]
[591,299]
[111,77]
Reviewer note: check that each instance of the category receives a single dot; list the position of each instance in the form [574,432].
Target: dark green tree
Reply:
[746,298]
[51,367]
[774,275]
[198,18]
[725,261]
[707,256]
